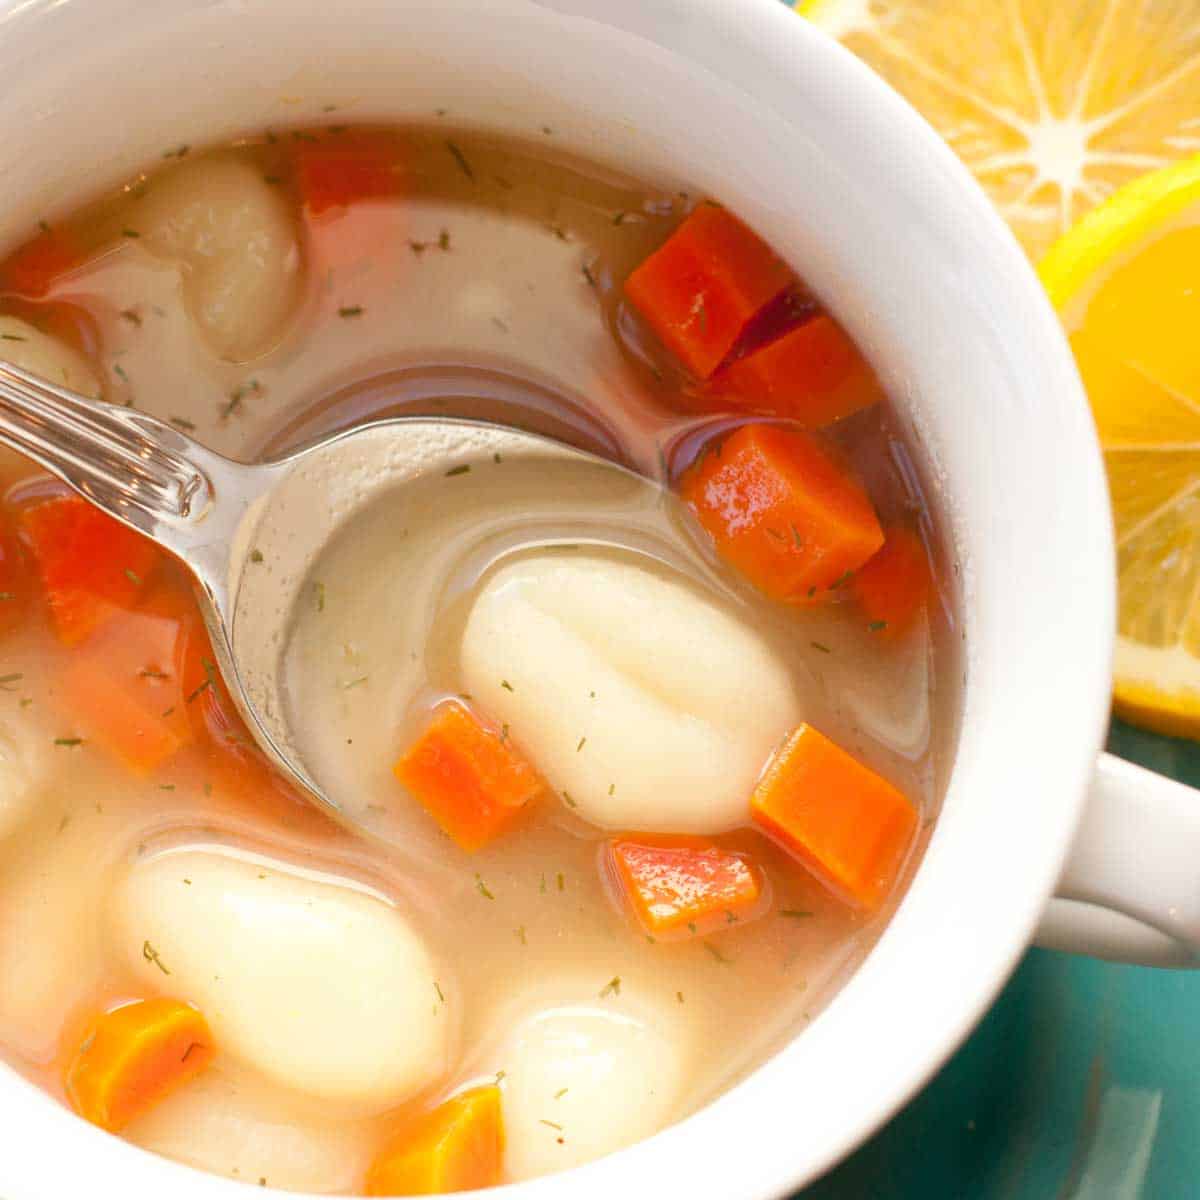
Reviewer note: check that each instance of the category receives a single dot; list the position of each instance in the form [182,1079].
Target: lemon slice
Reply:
[1053,104]
[1126,281]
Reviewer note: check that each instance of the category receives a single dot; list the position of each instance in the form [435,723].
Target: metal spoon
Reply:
[248,533]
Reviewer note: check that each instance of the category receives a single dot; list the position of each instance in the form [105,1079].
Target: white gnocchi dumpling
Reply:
[22,771]
[321,986]
[29,348]
[584,1080]
[644,705]
[235,239]
[225,1123]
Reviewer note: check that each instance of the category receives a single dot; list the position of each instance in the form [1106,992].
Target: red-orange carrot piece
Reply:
[470,778]
[847,825]
[783,509]
[813,374]
[345,169]
[133,1057]
[684,884]
[704,285]
[91,565]
[123,690]
[456,1147]
[893,587]
[33,267]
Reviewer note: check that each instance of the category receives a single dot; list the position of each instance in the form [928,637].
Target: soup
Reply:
[637,763]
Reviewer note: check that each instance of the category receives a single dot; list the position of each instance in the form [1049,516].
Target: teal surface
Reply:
[1082,1083]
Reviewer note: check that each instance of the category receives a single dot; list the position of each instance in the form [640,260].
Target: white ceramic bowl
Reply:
[745,101]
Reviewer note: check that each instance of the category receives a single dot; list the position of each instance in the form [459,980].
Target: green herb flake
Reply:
[679,997]
[133,577]
[437,987]
[520,932]
[483,887]
[496,458]
[619,218]
[168,711]
[611,988]
[166,787]
[461,469]
[355,683]
[561,1093]
[318,589]
[350,310]
[183,424]
[551,1124]
[151,956]
[716,953]
[256,556]
[589,276]
[68,741]
[612,787]
[461,159]
[178,152]
[12,337]
[508,687]
[877,626]
[562,883]
[444,240]
[582,742]
[570,803]
[12,677]
[130,233]
[824,649]
[799,541]
[841,580]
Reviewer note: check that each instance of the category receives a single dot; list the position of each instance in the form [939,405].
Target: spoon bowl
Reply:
[249,533]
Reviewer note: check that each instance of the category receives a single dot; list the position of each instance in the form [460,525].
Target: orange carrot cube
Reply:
[456,1147]
[894,586]
[135,1056]
[32,269]
[341,170]
[783,510]
[91,565]
[813,374]
[850,827]
[702,287]
[472,780]
[684,884]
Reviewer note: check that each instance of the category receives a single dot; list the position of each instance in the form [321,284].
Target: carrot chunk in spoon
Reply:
[471,779]
[849,826]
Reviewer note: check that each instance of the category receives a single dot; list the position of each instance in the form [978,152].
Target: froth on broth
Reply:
[650,761]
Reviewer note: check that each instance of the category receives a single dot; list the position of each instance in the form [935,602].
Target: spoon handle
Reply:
[136,468]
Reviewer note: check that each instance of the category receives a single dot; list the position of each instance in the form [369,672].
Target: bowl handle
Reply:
[1130,890]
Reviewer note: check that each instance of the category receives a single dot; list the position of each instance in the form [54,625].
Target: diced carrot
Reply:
[33,267]
[133,1057]
[893,587]
[783,509]
[122,688]
[850,827]
[345,169]
[471,779]
[14,579]
[813,374]
[684,884]
[91,565]
[455,1147]
[704,285]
